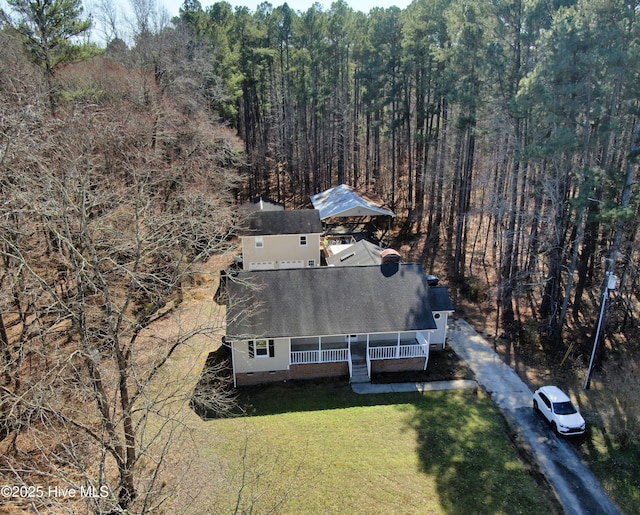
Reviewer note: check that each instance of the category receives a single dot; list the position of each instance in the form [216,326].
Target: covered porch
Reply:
[359,351]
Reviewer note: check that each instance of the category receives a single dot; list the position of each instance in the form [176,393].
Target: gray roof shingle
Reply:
[360,253]
[439,299]
[329,301]
[295,221]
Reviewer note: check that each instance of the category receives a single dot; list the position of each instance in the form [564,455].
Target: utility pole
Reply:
[633,157]
[612,281]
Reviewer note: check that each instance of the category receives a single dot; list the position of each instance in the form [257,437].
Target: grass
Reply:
[616,466]
[323,449]
[618,470]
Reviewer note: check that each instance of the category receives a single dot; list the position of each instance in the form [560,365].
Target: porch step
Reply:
[359,373]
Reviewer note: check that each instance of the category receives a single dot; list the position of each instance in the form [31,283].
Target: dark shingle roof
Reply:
[439,299]
[329,301]
[297,221]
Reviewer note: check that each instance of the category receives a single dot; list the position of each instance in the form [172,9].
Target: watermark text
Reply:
[60,492]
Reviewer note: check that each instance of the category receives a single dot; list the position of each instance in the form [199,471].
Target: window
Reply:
[311,263]
[436,316]
[545,400]
[261,348]
[564,408]
[303,241]
[259,242]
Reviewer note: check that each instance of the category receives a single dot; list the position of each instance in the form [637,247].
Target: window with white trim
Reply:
[261,348]
[303,241]
[259,242]
[311,263]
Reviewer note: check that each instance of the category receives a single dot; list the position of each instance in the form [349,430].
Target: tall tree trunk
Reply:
[6,356]
[507,269]
[550,307]
[464,200]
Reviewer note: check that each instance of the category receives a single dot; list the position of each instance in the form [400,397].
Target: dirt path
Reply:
[197,477]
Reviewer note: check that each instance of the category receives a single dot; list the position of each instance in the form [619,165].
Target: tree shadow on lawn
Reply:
[216,382]
[465,443]
[462,441]
[297,395]
[308,395]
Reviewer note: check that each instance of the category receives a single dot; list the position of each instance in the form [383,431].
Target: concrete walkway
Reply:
[458,384]
[575,487]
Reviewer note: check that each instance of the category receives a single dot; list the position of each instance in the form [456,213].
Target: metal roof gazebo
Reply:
[344,201]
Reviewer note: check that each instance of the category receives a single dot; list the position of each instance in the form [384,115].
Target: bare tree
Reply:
[106,210]
[107,19]
[148,18]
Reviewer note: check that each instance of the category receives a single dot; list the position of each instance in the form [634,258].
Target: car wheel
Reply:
[555,428]
[535,405]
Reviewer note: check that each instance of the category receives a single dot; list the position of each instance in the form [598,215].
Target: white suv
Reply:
[557,408]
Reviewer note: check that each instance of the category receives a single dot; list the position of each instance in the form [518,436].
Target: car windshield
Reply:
[564,408]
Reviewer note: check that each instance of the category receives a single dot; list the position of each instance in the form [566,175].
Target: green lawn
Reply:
[617,468]
[323,449]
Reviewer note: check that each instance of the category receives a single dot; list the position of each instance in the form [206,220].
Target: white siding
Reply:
[280,251]
[440,334]
[264,265]
[243,363]
[298,263]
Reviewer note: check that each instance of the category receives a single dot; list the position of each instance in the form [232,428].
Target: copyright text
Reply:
[41,492]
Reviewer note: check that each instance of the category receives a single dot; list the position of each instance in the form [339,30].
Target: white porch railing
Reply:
[375,353]
[398,351]
[302,357]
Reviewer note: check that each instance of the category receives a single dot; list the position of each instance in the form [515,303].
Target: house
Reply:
[328,321]
[365,253]
[442,307]
[281,239]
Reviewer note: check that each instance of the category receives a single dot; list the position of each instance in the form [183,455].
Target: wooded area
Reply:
[113,190]
[504,135]
[503,131]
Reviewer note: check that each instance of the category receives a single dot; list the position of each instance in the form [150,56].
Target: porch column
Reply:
[368,358]
[424,341]
[233,364]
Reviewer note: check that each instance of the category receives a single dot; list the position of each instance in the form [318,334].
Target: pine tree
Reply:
[49,28]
